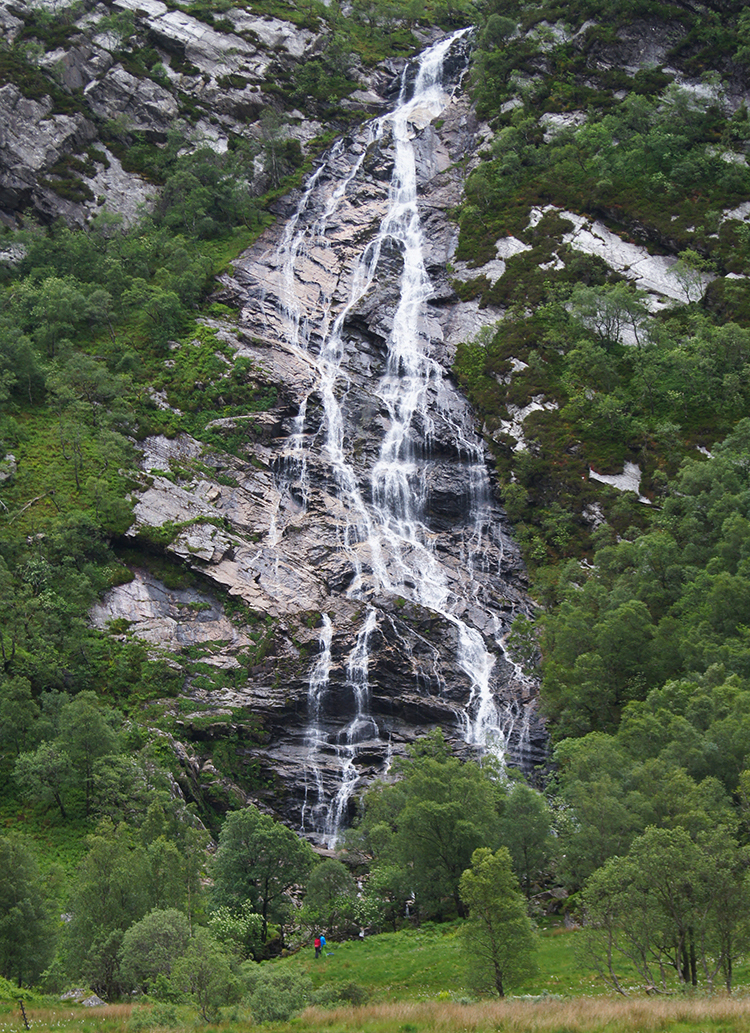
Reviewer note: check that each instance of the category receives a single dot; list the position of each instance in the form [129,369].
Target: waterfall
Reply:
[313,805]
[384,533]
[360,729]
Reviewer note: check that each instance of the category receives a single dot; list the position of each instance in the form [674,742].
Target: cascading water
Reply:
[360,729]
[392,551]
[314,805]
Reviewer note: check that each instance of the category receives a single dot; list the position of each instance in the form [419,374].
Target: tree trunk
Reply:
[265,911]
[499,981]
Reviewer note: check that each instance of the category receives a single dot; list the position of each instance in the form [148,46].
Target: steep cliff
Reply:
[328,572]
[87,90]
[360,517]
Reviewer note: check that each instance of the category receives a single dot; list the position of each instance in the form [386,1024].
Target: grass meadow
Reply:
[418,981]
[597,1014]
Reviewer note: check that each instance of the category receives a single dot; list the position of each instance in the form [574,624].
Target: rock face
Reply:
[211,81]
[30,142]
[364,523]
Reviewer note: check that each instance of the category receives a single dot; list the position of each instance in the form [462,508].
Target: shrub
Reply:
[279,994]
[151,946]
[161,1016]
[342,993]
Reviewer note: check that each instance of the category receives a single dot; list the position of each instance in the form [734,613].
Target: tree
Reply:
[330,897]
[204,972]
[692,272]
[109,895]
[612,788]
[522,643]
[89,382]
[498,936]
[615,312]
[19,713]
[151,947]
[21,374]
[496,31]
[58,306]
[386,897]
[277,994]
[121,791]
[27,932]
[674,906]
[725,935]
[525,831]
[281,153]
[45,774]
[260,860]
[164,830]
[86,737]
[430,821]
[166,879]
[596,818]
[239,929]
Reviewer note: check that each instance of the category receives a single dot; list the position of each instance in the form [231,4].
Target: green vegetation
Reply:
[662,165]
[422,830]
[498,937]
[260,861]
[681,616]
[640,635]
[640,829]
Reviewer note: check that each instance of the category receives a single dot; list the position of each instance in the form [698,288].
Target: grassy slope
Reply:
[430,964]
[419,981]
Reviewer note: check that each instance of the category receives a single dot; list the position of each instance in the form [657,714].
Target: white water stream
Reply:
[383,530]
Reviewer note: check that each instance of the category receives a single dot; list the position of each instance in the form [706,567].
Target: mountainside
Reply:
[269,367]
[90,91]
[370,556]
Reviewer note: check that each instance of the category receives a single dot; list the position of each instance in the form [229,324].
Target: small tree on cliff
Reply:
[498,935]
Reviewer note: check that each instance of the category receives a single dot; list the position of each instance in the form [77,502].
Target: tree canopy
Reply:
[27,928]
[427,824]
[498,936]
[260,860]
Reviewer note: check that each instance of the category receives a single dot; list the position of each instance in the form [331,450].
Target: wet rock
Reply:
[390,579]
[292,535]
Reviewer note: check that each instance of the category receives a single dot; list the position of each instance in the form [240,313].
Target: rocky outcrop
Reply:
[378,631]
[32,141]
[210,79]
[145,105]
[642,44]
[36,171]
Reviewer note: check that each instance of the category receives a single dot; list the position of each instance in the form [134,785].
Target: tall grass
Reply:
[110,1019]
[597,1014]
[577,1015]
